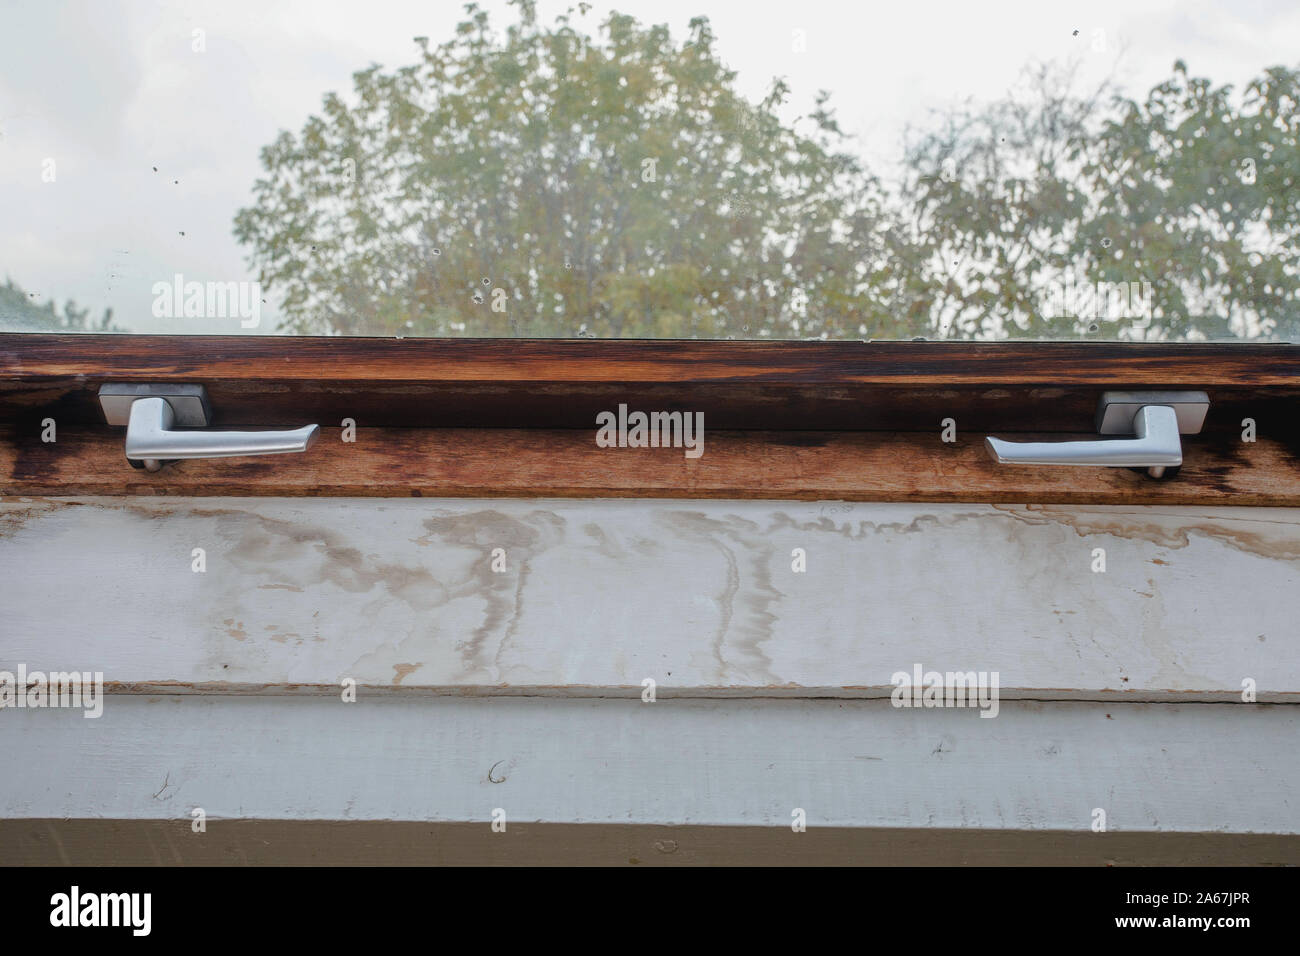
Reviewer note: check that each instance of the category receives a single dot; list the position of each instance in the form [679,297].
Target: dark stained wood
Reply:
[503,383]
[848,408]
[33,357]
[821,465]
[245,842]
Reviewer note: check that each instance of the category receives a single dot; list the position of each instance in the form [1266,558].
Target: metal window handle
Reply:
[151,413]
[1157,419]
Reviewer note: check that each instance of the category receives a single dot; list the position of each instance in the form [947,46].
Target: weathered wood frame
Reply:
[810,420]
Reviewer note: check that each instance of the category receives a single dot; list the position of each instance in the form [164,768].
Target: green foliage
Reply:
[1176,193]
[1109,190]
[18,313]
[994,203]
[525,162]
[547,182]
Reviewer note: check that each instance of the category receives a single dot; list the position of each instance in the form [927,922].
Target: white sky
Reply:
[110,89]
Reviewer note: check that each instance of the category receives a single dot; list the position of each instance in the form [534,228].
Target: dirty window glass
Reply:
[1125,170]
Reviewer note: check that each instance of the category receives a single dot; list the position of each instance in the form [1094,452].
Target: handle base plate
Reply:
[189,402]
[1117,411]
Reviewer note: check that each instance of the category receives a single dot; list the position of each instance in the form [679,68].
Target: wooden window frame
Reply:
[516,418]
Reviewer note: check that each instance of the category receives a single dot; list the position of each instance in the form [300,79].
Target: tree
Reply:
[1191,194]
[1202,194]
[550,182]
[616,188]
[994,198]
[18,313]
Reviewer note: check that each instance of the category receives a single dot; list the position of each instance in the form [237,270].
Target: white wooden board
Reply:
[598,596]
[1150,767]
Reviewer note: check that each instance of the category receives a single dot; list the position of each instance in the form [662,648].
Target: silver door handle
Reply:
[1157,419]
[151,412]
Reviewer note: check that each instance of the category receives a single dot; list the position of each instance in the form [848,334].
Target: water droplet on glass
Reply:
[1105,243]
[486,281]
[478,299]
[437,252]
[568,265]
[1094,327]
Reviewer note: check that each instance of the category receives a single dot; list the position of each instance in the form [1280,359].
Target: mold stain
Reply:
[503,593]
[747,596]
[402,671]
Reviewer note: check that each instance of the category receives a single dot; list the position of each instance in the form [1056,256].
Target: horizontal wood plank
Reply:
[1169,769]
[862,466]
[37,357]
[244,842]
[591,598]
[563,384]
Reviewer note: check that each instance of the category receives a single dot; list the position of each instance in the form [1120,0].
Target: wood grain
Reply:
[808,465]
[743,385]
[36,357]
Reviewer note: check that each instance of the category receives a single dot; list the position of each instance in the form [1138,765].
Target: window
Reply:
[669,171]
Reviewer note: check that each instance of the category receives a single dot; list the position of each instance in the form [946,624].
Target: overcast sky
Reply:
[110,89]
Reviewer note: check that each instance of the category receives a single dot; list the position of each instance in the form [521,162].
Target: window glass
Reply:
[1126,170]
